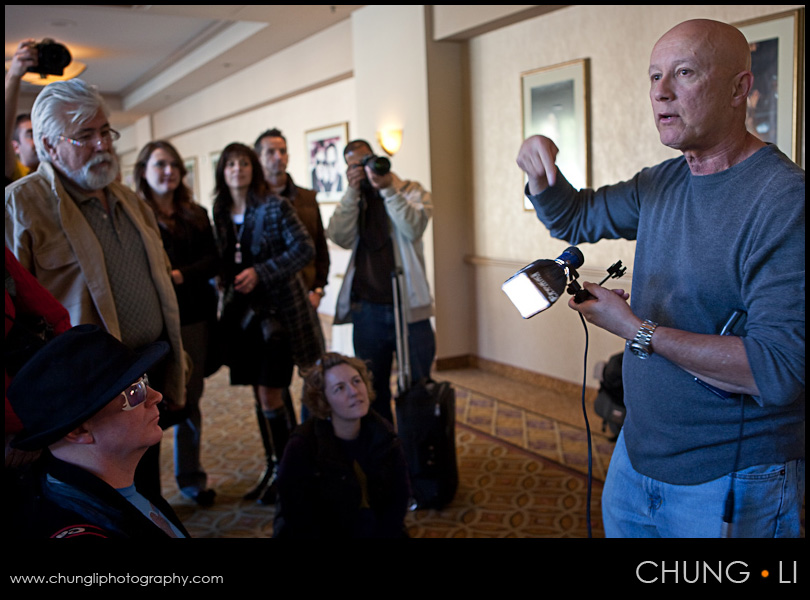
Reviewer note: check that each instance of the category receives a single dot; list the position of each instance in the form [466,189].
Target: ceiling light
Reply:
[74,69]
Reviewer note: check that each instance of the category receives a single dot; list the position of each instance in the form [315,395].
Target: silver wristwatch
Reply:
[640,345]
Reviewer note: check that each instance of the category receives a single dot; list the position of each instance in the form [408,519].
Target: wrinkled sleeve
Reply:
[774,295]
[587,216]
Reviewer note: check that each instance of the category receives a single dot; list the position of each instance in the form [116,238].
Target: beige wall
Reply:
[459,105]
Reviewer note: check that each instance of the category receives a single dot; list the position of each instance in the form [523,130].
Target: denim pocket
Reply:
[761,473]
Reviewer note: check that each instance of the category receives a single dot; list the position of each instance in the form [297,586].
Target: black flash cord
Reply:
[580,295]
[587,431]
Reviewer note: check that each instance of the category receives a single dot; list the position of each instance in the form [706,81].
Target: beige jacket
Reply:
[50,237]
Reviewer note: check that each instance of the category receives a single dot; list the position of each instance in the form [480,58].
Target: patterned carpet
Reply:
[522,474]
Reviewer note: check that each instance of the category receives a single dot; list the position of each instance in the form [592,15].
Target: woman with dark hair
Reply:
[189,242]
[269,323]
[344,473]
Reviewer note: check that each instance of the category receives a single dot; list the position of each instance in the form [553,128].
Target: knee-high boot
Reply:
[274,428]
[278,422]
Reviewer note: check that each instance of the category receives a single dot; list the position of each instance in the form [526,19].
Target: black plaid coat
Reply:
[277,245]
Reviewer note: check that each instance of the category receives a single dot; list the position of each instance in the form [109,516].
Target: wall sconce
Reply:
[390,140]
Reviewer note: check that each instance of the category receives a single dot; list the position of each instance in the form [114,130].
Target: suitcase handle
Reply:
[401,329]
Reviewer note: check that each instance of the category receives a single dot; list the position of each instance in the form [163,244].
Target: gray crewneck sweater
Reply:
[706,246]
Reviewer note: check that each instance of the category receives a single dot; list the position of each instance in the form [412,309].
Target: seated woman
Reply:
[343,474]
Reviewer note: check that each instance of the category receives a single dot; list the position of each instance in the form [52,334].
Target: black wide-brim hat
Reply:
[70,379]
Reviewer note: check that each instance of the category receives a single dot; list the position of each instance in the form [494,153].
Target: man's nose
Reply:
[153,396]
[662,90]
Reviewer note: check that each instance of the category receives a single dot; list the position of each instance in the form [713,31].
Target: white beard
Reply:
[92,176]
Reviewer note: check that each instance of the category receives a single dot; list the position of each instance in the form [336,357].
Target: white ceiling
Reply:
[144,57]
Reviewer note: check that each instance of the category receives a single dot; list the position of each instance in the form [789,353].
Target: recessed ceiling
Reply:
[146,57]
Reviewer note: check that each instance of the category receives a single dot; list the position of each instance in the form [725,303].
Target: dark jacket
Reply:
[316,273]
[329,488]
[189,243]
[60,500]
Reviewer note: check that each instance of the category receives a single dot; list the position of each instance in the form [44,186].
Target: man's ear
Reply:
[743,84]
[49,148]
[80,435]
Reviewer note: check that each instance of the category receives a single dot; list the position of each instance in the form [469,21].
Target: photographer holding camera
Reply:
[382,218]
[21,154]
[45,58]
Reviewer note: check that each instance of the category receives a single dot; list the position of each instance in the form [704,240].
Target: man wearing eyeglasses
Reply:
[85,399]
[90,241]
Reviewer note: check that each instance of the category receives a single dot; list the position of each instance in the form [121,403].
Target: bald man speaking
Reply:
[713,443]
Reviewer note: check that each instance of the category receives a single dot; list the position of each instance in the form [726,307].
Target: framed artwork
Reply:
[191,176]
[327,175]
[775,105]
[213,160]
[555,104]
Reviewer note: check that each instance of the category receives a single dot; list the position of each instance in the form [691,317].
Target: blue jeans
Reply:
[768,501]
[375,343]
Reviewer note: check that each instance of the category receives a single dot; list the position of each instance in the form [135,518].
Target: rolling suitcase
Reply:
[426,422]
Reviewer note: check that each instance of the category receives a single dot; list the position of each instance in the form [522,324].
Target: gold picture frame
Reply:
[776,104]
[555,103]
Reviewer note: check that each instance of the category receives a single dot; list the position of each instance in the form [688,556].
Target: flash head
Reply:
[537,286]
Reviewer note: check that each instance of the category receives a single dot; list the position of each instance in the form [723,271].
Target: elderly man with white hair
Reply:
[90,241]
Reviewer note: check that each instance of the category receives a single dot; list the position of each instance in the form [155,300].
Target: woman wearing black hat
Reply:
[84,397]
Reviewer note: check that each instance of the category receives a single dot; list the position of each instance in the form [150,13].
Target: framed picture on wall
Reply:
[555,104]
[191,176]
[213,160]
[775,104]
[327,174]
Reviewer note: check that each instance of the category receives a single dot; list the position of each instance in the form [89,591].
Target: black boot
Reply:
[279,425]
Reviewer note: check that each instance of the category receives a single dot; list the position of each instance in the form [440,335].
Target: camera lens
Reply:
[379,165]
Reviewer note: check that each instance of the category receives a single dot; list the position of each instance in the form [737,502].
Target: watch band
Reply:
[641,345]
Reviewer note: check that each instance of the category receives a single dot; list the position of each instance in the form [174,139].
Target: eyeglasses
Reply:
[93,138]
[135,394]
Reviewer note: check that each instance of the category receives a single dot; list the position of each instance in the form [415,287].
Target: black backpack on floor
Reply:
[609,403]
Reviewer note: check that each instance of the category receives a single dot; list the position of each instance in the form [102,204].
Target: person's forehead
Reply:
[162,155]
[273,143]
[95,123]
[358,153]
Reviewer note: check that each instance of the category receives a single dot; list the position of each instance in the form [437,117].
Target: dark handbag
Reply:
[271,326]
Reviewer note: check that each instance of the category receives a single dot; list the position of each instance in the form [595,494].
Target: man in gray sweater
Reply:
[713,442]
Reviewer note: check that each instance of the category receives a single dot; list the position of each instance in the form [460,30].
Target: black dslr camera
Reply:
[379,165]
[52,58]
